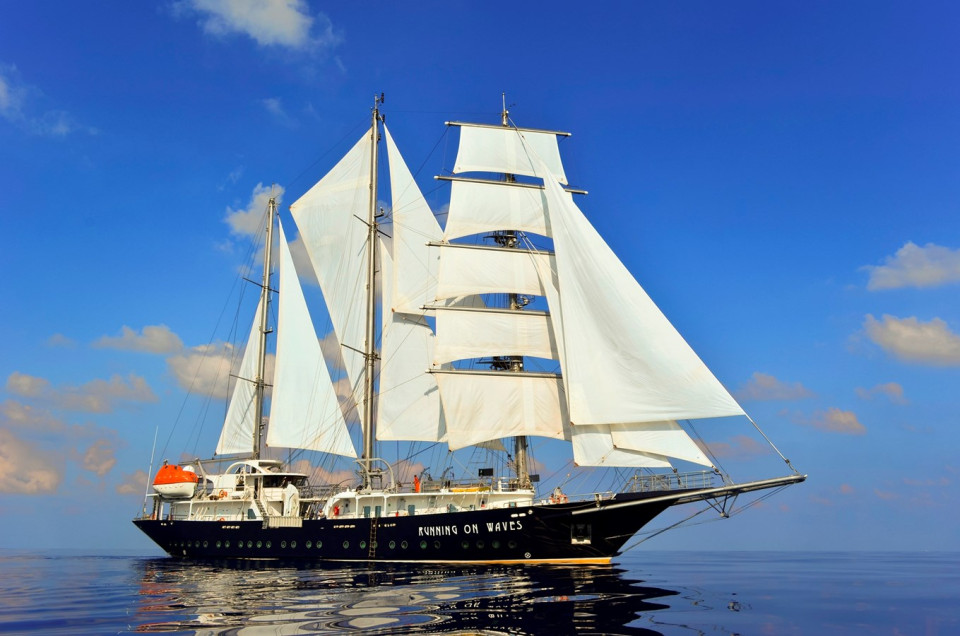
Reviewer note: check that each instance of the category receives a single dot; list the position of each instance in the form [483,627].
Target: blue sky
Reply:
[782,178]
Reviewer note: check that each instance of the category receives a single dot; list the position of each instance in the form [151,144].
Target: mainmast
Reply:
[514,363]
[369,352]
[264,329]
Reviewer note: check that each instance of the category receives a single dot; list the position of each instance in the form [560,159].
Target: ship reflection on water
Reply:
[252,597]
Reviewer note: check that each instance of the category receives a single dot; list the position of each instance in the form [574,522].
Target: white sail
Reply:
[330,217]
[409,403]
[593,446]
[478,207]
[239,425]
[623,360]
[472,269]
[304,409]
[507,151]
[484,406]
[414,226]
[464,333]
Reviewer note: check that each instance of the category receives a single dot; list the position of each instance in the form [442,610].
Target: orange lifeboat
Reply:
[174,482]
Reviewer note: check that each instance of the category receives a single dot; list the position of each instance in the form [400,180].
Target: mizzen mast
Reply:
[264,329]
[369,352]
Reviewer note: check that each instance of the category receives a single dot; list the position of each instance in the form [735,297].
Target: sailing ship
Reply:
[513,322]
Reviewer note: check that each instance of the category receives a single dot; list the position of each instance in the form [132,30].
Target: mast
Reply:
[370,353]
[264,329]
[515,363]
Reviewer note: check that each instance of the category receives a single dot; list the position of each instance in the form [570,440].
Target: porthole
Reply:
[268,545]
[319,544]
[226,543]
[393,545]
[465,544]
[205,544]
[512,545]
[219,544]
[346,544]
[283,544]
[309,544]
[495,544]
[363,545]
[293,544]
[249,544]
[259,544]
[373,544]
[403,545]
[480,545]
[197,544]
[436,545]
[423,545]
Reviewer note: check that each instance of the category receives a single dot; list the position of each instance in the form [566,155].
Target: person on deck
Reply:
[291,500]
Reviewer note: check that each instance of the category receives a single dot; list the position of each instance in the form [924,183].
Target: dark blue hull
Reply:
[585,532]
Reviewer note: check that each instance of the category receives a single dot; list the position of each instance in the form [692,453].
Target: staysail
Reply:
[304,410]
[329,217]
[237,433]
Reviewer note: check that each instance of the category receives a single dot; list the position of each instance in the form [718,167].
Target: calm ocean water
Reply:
[644,593]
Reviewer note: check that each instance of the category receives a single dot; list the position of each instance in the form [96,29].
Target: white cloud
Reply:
[910,340]
[27,385]
[99,457]
[279,23]
[152,339]
[915,266]
[892,390]
[248,221]
[60,340]
[302,263]
[18,106]
[15,414]
[133,484]
[275,107]
[835,420]
[96,396]
[207,369]
[26,470]
[740,447]
[762,386]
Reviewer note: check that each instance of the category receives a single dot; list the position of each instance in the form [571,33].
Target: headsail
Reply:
[623,360]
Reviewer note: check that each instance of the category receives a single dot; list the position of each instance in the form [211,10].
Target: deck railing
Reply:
[671,481]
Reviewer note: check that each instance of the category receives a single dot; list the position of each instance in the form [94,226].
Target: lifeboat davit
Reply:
[174,482]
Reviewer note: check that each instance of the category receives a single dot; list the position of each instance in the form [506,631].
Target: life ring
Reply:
[222,494]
